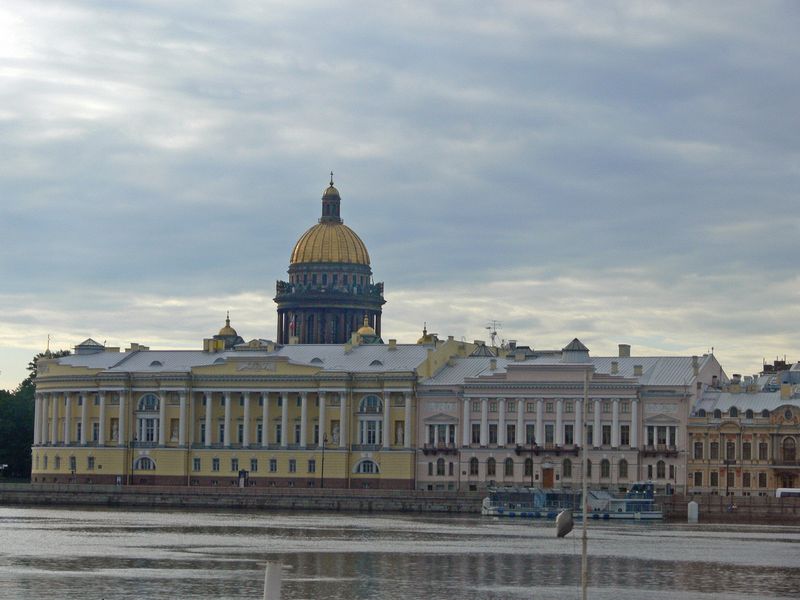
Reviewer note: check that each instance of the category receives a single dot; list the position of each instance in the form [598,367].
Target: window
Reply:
[221,431]
[493,433]
[473,466]
[215,464]
[730,450]
[624,435]
[298,401]
[746,480]
[623,469]
[717,414]
[530,434]
[90,463]
[606,406]
[476,406]
[714,479]
[731,479]
[195,464]
[367,467]
[79,430]
[624,407]
[370,405]
[698,450]
[273,465]
[253,465]
[511,433]
[714,453]
[748,414]
[143,463]
[512,406]
[549,433]
[762,480]
[292,465]
[312,465]
[661,470]
[746,450]
[476,433]
[789,449]
[259,433]
[235,465]
[531,407]
[765,413]
[278,432]
[569,438]
[733,412]
[588,468]
[568,406]
[297,433]
[95,432]
[566,468]
[509,467]
[589,435]
[440,467]
[528,467]
[701,412]
[672,471]
[450,469]
[430,469]
[605,468]
[649,471]
[763,451]
[698,479]
[606,435]
[491,467]
[548,407]
[493,406]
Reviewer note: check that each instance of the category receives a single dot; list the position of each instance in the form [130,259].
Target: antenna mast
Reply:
[492,328]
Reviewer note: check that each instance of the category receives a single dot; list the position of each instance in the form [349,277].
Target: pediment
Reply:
[440,418]
[254,366]
[662,420]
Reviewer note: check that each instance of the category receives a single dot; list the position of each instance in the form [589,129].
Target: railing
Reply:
[536,450]
[439,449]
[785,462]
[660,450]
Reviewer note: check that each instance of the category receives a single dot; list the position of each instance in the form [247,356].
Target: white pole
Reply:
[585,490]
[272,581]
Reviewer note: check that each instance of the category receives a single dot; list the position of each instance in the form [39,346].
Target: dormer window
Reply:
[156,363]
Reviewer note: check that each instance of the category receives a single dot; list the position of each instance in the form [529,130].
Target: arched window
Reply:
[566,469]
[509,467]
[473,466]
[148,403]
[717,414]
[440,466]
[588,468]
[491,467]
[701,412]
[605,468]
[144,463]
[528,467]
[57,462]
[733,412]
[367,467]
[765,413]
[623,469]
[661,470]
[748,414]
[370,405]
[789,448]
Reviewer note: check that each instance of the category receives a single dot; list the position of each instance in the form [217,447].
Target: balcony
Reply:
[660,450]
[547,449]
[439,449]
[785,462]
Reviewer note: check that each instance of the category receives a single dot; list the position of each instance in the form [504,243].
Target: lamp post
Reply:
[324,441]
[533,444]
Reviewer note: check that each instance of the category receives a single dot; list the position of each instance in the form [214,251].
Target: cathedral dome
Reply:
[330,242]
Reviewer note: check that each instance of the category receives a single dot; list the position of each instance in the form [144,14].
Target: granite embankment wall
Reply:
[734,509]
[237,498]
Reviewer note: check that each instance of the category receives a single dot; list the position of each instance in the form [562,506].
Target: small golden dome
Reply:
[330,191]
[427,338]
[330,242]
[228,330]
[365,329]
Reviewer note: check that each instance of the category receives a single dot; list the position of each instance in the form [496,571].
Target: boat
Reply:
[638,503]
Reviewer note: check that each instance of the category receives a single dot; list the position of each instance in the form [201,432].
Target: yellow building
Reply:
[255,414]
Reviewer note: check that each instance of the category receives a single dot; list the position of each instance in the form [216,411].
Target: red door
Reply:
[547,478]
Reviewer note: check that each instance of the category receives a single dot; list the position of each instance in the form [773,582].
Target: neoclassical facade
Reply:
[330,291]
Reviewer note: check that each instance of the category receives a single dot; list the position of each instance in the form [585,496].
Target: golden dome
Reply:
[330,191]
[228,330]
[330,242]
[365,329]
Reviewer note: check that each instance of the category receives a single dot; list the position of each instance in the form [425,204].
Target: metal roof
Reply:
[471,366]
[758,401]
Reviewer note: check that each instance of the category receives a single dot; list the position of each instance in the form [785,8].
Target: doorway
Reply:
[547,478]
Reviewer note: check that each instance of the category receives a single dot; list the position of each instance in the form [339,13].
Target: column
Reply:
[387,420]
[182,419]
[634,423]
[520,422]
[501,422]
[466,425]
[246,432]
[597,435]
[343,432]
[323,418]
[484,422]
[669,441]
[122,416]
[84,419]
[407,422]
[559,422]
[578,434]
[284,420]
[265,420]
[67,419]
[37,415]
[226,439]
[43,423]
[615,423]
[303,419]
[539,424]
[209,398]
[101,441]
[162,418]
[54,424]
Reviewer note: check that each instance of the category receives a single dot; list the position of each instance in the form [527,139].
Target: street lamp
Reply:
[324,441]
[533,445]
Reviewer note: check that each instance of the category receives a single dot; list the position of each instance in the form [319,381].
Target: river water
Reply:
[125,554]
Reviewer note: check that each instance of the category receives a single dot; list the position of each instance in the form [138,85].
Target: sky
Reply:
[620,172]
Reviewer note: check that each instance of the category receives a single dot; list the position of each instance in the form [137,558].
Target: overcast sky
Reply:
[620,172]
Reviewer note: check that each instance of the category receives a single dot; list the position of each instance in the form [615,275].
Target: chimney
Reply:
[737,379]
[493,364]
[637,370]
[624,350]
[786,391]
[392,344]
[450,338]
[512,344]
[614,367]
[451,362]
[519,356]
[695,365]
